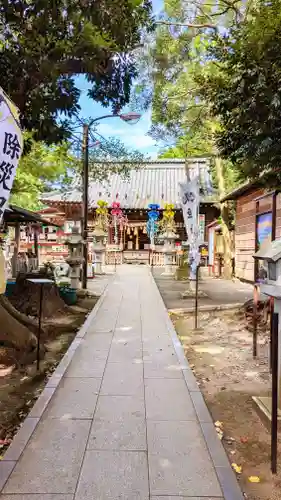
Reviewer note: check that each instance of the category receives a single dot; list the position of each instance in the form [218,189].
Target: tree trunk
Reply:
[13,332]
[25,298]
[27,321]
[227,268]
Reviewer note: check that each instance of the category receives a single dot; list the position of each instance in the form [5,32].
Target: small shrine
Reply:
[121,235]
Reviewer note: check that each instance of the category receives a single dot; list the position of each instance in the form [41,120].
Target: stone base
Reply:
[98,270]
[168,273]
[190,294]
[262,405]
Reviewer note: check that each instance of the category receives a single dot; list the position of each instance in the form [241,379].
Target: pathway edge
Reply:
[29,424]
[226,477]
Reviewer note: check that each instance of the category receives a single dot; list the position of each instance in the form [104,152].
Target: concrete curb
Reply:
[22,437]
[206,308]
[226,477]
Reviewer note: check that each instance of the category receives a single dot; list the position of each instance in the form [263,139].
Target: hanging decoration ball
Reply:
[169,211]
[102,207]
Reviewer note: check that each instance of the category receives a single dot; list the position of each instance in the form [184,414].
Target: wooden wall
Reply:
[245,229]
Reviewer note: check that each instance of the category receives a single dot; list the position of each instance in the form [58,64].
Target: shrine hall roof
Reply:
[155,182]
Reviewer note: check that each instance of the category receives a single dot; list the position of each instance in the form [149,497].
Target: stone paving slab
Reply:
[122,417]
[75,398]
[37,497]
[123,379]
[114,474]
[179,462]
[52,460]
[168,399]
[119,424]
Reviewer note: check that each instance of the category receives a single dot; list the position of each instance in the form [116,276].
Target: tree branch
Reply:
[189,25]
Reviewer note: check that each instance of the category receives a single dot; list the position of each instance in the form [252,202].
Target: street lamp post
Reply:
[126,117]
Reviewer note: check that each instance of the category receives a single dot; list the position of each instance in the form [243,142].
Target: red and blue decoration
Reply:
[118,218]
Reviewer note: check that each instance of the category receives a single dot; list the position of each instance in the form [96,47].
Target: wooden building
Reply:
[257,221]
[21,231]
[155,182]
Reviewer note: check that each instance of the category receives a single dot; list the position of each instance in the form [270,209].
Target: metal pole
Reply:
[196,297]
[255,321]
[85,148]
[39,326]
[274,394]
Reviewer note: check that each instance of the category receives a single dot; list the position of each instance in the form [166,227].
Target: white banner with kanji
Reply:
[11,143]
[189,193]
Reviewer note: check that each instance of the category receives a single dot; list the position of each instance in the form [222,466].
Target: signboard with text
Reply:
[10,148]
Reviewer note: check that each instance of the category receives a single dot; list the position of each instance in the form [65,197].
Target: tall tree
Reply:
[246,94]
[46,43]
[175,60]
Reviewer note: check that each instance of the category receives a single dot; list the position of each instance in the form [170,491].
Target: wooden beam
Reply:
[16,250]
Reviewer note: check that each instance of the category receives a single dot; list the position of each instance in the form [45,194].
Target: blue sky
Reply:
[134,136]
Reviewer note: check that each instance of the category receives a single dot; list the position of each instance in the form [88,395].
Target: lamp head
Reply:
[130,117]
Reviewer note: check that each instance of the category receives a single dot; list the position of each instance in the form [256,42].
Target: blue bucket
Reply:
[10,285]
[69,295]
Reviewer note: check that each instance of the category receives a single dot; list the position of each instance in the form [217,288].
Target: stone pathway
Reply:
[122,417]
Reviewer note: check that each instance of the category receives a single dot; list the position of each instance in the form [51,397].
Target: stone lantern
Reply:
[75,246]
[169,236]
[100,235]
[99,248]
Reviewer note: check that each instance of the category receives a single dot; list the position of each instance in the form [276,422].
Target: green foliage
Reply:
[40,170]
[175,61]
[200,143]
[46,43]
[246,93]
[197,142]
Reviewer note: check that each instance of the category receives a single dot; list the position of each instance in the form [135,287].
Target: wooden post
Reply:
[36,246]
[196,297]
[255,321]
[271,330]
[16,250]
[274,394]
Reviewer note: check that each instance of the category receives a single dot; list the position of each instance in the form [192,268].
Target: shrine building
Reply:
[154,182]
